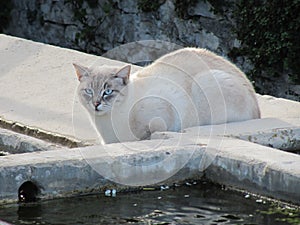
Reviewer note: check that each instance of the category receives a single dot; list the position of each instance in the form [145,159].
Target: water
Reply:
[202,203]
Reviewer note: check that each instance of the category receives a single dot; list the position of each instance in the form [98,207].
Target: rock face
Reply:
[99,27]
[95,26]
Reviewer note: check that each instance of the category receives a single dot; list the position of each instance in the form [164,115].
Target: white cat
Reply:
[188,87]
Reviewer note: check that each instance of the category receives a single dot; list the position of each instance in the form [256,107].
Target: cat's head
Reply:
[101,87]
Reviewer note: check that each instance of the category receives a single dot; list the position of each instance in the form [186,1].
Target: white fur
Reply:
[186,88]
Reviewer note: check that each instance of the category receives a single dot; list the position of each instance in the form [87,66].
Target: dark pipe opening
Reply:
[28,192]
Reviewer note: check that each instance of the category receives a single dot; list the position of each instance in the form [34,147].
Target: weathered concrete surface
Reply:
[278,107]
[38,85]
[257,169]
[37,95]
[14,143]
[72,171]
[38,88]
[283,133]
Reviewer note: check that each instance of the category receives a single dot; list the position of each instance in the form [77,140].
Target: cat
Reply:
[185,88]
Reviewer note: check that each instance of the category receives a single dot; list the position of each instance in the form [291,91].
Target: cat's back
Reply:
[192,61]
[193,58]
[205,76]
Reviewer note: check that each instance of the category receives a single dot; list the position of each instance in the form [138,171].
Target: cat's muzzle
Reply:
[98,106]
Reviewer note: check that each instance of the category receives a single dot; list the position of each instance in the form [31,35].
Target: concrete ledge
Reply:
[14,143]
[39,133]
[68,172]
[39,96]
[257,169]
[283,133]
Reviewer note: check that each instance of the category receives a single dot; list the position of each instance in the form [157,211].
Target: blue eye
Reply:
[108,92]
[88,91]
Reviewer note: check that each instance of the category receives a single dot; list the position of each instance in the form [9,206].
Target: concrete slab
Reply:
[277,133]
[257,169]
[38,88]
[66,172]
[14,143]
[278,107]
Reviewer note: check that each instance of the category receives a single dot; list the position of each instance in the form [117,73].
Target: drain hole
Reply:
[28,192]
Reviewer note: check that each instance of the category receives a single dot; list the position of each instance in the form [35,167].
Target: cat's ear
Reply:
[81,71]
[124,73]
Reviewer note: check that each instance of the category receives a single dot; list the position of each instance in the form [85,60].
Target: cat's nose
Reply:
[96,104]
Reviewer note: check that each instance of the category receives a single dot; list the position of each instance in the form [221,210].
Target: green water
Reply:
[202,203]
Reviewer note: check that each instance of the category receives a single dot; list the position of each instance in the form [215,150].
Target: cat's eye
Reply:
[88,91]
[108,92]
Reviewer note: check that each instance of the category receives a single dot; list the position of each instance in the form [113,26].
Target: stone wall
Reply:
[98,26]
[101,27]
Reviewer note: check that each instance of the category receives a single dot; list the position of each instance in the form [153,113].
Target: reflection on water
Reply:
[202,203]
